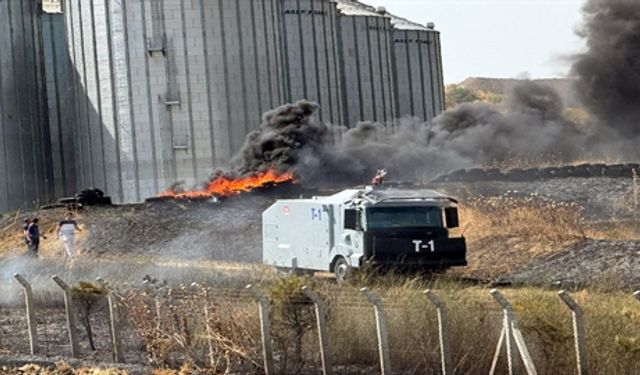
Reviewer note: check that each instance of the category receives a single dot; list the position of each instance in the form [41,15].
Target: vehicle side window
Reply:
[451,216]
[352,220]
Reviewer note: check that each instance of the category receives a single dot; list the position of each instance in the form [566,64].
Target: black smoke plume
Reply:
[289,139]
[529,126]
[278,142]
[609,72]
[531,123]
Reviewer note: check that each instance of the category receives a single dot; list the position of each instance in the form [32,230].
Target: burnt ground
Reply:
[602,264]
[53,338]
[230,231]
[219,243]
[602,199]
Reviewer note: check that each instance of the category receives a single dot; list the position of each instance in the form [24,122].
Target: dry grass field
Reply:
[510,230]
[228,341]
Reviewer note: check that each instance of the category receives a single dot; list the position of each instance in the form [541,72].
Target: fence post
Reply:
[150,291]
[31,319]
[445,355]
[383,343]
[578,332]
[512,331]
[265,327]
[71,315]
[205,295]
[323,338]
[114,322]
[496,355]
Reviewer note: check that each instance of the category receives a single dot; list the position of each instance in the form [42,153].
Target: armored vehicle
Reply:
[384,228]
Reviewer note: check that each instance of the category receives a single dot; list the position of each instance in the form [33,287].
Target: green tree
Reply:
[455,95]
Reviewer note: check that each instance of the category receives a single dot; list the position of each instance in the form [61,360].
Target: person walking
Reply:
[67,233]
[33,237]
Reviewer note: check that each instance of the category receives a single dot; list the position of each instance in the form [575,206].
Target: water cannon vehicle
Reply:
[387,228]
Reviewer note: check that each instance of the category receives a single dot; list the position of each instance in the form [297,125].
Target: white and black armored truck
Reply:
[387,228]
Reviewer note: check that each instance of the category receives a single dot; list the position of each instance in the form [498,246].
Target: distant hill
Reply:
[501,87]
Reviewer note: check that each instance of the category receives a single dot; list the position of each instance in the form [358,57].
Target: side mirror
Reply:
[352,220]
[451,216]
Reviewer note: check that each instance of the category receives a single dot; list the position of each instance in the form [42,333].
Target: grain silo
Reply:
[144,93]
[308,43]
[418,69]
[166,90]
[25,169]
[60,102]
[365,53]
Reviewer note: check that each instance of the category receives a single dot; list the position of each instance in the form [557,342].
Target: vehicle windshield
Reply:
[404,217]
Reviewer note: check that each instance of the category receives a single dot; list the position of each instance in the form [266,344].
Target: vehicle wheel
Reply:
[341,269]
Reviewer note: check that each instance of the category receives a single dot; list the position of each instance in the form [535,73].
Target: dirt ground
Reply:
[230,231]
[567,233]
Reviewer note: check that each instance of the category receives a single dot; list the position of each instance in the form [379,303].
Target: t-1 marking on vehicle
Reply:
[430,245]
[316,214]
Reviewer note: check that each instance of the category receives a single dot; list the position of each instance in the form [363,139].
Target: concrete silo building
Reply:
[130,96]
[166,90]
[365,43]
[310,60]
[419,83]
[26,173]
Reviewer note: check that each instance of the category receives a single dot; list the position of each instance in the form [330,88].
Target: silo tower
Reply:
[26,175]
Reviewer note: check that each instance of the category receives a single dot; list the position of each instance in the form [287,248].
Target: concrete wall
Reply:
[418,73]
[367,69]
[308,43]
[60,104]
[25,167]
[166,90]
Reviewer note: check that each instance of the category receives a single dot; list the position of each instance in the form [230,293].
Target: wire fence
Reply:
[288,328]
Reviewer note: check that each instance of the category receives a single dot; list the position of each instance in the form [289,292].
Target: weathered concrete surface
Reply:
[25,168]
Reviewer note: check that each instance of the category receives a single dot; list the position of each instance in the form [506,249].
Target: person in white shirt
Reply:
[67,232]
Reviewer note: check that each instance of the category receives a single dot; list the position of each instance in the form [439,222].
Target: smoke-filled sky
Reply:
[499,38]
[530,124]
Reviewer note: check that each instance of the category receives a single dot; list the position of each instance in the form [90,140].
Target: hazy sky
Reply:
[499,38]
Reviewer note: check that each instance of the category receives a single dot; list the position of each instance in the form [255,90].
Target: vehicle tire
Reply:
[341,269]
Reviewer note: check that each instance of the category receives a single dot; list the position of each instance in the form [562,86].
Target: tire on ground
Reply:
[566,171]
[475,174]
[616,171]
[550,172]
[457,175]
[597,170]
[634,166]
[495,175]
[582,170]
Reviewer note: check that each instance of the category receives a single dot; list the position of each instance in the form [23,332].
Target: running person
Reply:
[67,233]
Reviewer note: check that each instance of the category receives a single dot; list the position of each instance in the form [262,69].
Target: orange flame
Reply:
[225,187]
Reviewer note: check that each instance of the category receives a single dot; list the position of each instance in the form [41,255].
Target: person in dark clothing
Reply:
[25,233]
[33,238]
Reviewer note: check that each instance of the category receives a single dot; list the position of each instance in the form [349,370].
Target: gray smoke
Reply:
[530,123]
[609,72]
